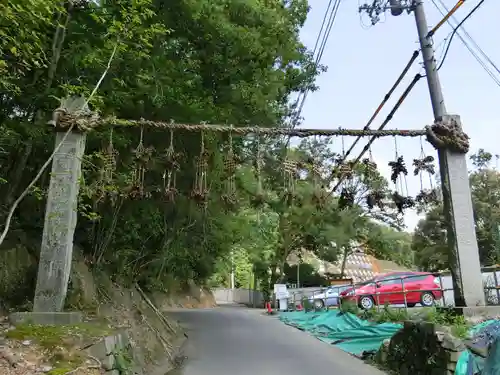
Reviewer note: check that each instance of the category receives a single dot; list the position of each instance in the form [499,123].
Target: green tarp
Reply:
[344,330]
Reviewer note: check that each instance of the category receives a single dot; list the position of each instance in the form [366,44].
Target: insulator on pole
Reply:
[396,7]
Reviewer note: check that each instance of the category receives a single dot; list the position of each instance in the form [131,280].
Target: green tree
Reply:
[190,61]
[308,276]
[386,243]
[429,240]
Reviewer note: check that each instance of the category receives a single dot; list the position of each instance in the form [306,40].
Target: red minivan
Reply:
[419,287]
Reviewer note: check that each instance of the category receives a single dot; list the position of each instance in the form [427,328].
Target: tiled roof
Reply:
[359,266]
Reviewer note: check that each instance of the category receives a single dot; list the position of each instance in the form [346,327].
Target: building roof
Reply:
[385,266]
[359,266]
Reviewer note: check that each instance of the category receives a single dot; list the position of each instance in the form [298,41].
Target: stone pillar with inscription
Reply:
[452,144]
[61,211]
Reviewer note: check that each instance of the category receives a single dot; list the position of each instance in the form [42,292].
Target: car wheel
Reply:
[410,304]
[318,304]
[366,302]
[427,299]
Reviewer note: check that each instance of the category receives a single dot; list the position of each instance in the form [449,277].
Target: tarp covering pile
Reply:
[483,356]
[343,330]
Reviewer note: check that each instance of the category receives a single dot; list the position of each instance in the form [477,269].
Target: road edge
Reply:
[177,359]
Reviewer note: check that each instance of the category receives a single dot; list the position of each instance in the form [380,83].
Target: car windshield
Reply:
[370,281]
[339,288]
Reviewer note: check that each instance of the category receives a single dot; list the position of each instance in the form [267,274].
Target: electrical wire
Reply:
[389,117]
[320,33]
[455,29]
[446,17]
[329,24]
[469,36]
[469,48]
[322,26]
[303,96]
[384,101]
[331,20]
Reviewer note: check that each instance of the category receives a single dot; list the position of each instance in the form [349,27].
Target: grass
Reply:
[60,342]
[438,316]
[50,337]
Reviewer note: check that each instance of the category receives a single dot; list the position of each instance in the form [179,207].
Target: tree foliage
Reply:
[190,61]
[185,60]
[429,239]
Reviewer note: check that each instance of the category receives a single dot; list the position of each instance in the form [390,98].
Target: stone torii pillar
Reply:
[452,144]
[56,251]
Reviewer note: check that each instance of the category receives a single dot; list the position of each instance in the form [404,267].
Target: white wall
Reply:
[237,295]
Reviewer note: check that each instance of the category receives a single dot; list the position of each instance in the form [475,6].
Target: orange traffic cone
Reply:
[268,307]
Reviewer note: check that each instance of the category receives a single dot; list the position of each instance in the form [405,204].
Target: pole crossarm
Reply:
[256,130]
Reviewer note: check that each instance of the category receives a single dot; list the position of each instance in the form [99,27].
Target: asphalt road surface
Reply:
[240,341]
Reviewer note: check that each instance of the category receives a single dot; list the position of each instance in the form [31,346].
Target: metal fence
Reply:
[249,297]
[443,294]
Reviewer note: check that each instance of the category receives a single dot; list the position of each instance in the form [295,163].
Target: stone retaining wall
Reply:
[421,348]
[115,354]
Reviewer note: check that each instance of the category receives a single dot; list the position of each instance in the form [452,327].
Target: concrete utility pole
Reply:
[462,243]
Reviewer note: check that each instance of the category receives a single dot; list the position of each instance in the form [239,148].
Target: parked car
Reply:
[419,287]
[329,297]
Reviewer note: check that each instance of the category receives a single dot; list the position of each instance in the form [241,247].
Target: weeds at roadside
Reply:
[448,318]
[306,304]
[439,316]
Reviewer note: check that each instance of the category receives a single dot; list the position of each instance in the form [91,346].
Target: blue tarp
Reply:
[344,330]
[485,337]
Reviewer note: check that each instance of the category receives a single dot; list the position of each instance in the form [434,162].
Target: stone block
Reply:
[479,311]
[451,366]
[452,343]
[46,318]
[453,357]
[106,349]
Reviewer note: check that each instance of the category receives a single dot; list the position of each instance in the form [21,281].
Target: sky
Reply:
[364,61]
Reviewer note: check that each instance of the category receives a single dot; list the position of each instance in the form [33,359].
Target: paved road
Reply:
[236,340]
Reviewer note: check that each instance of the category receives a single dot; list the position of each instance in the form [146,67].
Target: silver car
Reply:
[329,297]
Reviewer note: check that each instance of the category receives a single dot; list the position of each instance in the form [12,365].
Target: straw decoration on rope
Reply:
[244,130]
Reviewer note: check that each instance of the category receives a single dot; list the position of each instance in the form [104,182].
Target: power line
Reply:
[469,48]
[467,35]
[331,20]
[455,31]
[329,24]
[384,101]
[389,117]
[320,33]
[301,96]
[322,26]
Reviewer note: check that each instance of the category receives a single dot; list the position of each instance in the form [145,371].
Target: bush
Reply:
[306,304]
[348,307]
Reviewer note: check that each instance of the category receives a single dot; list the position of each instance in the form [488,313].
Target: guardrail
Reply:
[377,296]
[379,299]
[490,284]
